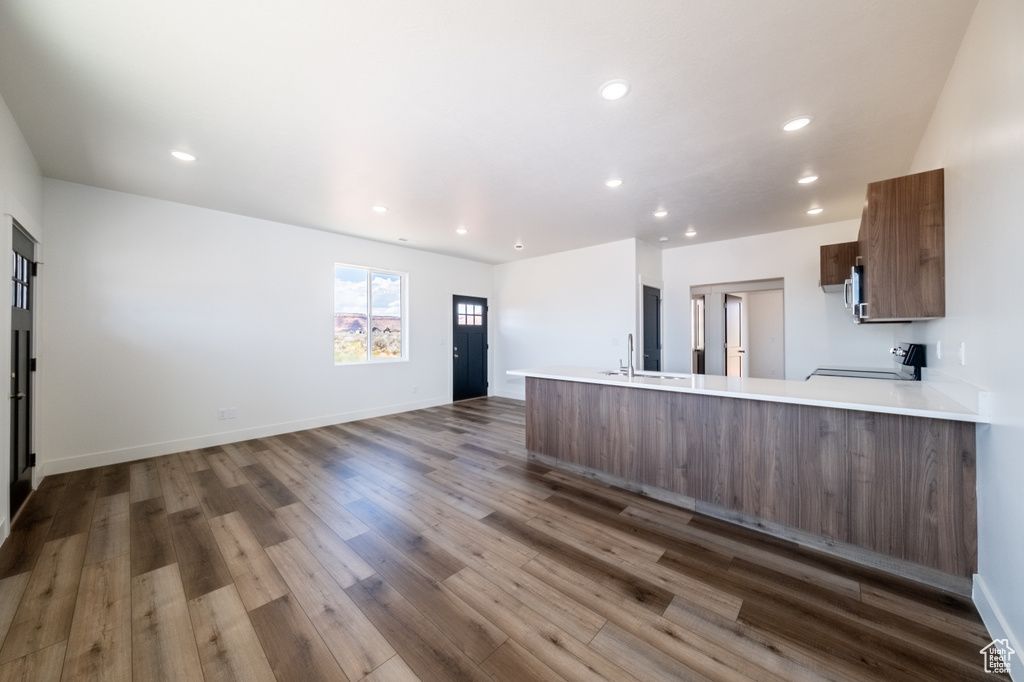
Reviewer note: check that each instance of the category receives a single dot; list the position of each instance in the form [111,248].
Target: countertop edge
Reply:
[657,384]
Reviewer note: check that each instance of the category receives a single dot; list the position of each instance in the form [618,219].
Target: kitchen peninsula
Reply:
[882,472]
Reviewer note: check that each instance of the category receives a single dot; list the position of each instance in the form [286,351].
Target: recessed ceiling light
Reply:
[380,209]
[616,89]
[807,179]
[660,213]
[182,156]
[519,246]
[815,211]
[613,182]
[663,239]
[461,230]
[403,239]
[796,123]
[690,232]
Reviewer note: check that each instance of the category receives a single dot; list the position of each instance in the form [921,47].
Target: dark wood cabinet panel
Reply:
[897,485]
[902,248]
[836,262]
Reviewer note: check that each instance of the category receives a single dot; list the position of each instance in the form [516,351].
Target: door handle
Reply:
[17,396]
[456,355]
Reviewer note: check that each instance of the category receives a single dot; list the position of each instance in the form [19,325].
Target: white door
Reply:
[733,336]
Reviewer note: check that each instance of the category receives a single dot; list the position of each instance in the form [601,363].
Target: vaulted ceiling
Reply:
[483,114]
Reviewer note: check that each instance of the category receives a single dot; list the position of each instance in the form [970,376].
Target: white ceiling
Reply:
[483,113]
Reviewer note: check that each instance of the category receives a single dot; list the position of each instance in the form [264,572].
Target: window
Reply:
[369,314]
[21,271]
[470,315]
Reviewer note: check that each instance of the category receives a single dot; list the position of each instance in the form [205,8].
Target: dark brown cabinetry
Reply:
[836,261]
[902,249]
[891,484]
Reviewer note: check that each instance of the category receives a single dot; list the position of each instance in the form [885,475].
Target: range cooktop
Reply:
[861,373]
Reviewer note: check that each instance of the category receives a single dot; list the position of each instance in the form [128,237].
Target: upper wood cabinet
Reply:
[902,248]
[836,262]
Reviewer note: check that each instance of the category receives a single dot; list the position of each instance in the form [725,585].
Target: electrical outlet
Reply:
[227,413]
[963,353]
[938,350]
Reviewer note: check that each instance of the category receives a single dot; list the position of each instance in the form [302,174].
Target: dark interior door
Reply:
[469,352]
[21,378]
[652,329]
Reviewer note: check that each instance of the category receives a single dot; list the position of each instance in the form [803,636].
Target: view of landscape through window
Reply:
[367,305]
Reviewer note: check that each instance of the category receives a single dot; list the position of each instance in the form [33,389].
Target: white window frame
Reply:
[370,271]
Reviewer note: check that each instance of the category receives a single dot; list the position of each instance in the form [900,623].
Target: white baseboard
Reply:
[997,626]
[95,459]
[511,394]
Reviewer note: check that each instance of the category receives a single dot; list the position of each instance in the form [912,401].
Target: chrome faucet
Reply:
[630,372]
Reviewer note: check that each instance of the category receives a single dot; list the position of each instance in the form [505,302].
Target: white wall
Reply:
[648,264]
[764,332]
[648,270]
[21,184]
[21,191]
[158,314]
[818,328]
[977,135]
[570,308]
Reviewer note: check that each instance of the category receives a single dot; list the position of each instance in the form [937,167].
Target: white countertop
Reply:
[911,398]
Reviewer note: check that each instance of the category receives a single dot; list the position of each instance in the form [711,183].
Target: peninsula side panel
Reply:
[897,485]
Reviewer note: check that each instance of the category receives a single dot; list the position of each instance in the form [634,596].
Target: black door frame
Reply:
[646,348]
[469,348]
[20,455]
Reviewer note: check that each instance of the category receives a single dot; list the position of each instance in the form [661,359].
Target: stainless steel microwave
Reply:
[853,294]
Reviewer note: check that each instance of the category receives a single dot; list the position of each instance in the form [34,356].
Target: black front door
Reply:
[21,379]
[652,329]
[469,347]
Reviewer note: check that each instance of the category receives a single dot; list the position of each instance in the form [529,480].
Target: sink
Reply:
[651,375]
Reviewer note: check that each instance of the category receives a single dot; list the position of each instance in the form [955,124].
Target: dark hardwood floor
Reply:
[427,546]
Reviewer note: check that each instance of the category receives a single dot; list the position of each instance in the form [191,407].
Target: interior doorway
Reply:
[22,305]
[652,329]
[734,336]
[697,328]
[738,329]
[469,347]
